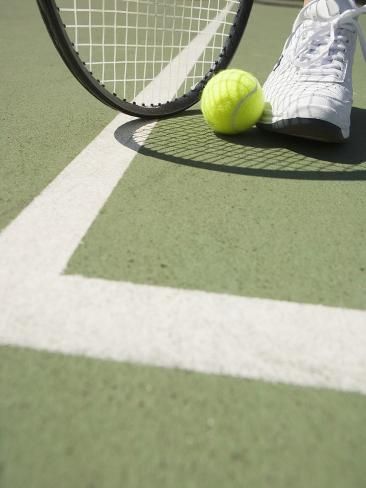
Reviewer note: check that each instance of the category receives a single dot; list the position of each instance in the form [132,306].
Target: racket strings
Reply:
[126,44]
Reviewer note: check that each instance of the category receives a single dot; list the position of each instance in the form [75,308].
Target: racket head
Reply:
[59,31]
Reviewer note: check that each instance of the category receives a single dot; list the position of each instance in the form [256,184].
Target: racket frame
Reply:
[65,47]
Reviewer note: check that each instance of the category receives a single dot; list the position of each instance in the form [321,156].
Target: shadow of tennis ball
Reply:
[187,140]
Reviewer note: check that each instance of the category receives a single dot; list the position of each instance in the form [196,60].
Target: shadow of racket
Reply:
[187,140]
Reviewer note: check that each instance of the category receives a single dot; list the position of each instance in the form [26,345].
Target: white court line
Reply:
[207,332]
[213,333]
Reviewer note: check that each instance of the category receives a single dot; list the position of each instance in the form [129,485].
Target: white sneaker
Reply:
[309,92]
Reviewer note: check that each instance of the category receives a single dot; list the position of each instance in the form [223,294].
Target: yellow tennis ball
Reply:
[232,101]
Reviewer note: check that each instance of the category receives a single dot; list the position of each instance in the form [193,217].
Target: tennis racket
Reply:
[147,58]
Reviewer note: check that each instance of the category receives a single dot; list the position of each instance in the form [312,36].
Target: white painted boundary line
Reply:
[198,331]
[213,333]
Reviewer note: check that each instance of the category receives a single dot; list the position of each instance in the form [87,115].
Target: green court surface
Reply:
[84,423]
[252,216]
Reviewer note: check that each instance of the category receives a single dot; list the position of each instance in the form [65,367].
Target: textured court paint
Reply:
[189,228]
[46,116]
[232,233]
[84,423]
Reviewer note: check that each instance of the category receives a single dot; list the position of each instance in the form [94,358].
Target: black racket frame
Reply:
[57,31]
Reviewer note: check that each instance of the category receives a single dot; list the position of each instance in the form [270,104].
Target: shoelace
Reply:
[325,46]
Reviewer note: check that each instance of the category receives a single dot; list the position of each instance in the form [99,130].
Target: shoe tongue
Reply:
[326,9]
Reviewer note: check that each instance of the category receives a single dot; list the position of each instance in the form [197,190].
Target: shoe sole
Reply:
[317,130]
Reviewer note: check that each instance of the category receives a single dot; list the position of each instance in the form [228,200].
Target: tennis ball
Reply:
[232,101]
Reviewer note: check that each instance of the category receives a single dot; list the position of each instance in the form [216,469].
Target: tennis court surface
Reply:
[178,309]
